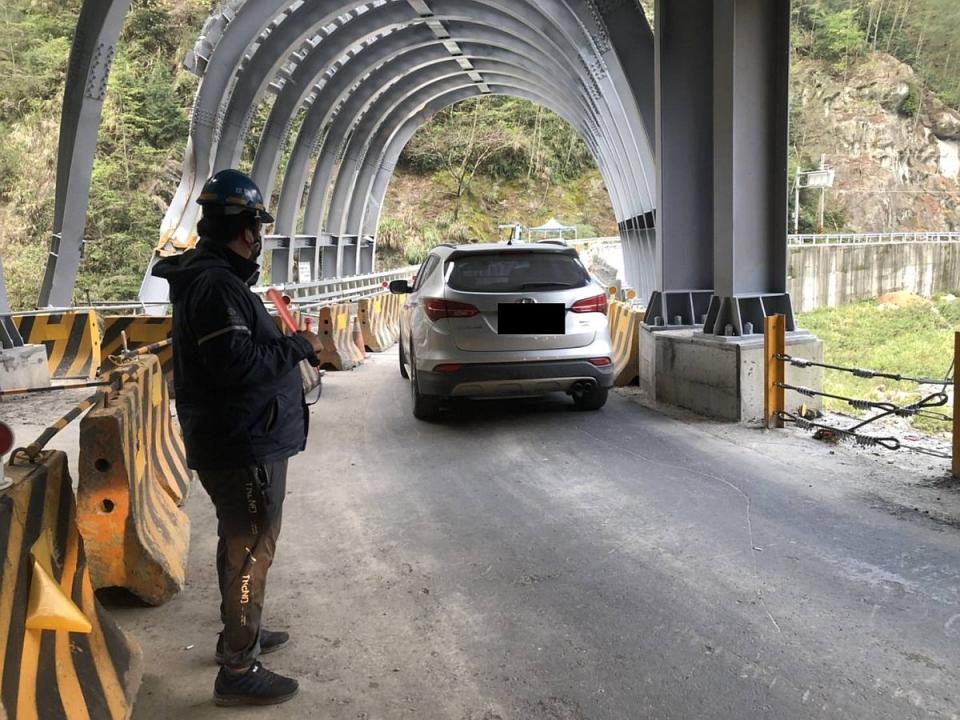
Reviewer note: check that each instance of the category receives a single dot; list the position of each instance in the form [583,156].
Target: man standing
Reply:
[241,406]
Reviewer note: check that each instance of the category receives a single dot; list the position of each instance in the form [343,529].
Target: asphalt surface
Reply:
[520,560]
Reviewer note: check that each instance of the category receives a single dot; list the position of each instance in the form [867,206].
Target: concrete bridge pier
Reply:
[722,91]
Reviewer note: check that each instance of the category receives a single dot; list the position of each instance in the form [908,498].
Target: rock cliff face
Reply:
[895,147]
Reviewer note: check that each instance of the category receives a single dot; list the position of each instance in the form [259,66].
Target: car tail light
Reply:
[448,368]
[601,362]
[597,304]
[437,309]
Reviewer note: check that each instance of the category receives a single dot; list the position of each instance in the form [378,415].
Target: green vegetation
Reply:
[140,146]
[907,335]
[921,33]
[484,162]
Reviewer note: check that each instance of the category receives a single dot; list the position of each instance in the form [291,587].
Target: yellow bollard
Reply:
[774,344]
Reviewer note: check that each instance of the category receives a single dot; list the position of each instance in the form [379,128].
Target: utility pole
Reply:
[821,178]
[796,203]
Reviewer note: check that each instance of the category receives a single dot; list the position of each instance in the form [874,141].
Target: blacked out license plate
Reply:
[531,318]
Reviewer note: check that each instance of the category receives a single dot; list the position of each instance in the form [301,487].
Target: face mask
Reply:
[257,244]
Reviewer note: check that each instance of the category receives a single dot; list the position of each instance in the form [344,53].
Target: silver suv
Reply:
[504,320]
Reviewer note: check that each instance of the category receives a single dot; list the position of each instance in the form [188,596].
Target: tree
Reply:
[460,144]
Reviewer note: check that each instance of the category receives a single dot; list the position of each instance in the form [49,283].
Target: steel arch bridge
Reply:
[688,126]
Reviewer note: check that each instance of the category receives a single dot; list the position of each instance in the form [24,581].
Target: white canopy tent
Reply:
[553,228]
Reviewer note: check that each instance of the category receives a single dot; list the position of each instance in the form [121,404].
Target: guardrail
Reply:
[873,238]
[346,289]
[94,307]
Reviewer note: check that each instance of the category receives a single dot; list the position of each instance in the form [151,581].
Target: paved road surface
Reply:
[524,561]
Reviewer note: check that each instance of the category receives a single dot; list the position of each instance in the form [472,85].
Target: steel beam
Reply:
[275,29]
[250,22]
[352,37]
[343,128]
[751,94]
[684,92]
[91,57]
[338,221]
[342,8]
[390,155]
[337,208]
[386,144]
[329,99]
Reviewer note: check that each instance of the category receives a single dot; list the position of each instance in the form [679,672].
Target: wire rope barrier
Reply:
[877,410]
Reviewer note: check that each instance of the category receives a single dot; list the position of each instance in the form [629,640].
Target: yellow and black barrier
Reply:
[166,448]
[334,327]
[376,322]
[61,654]
[131,480]
[624,321]
[391,313]
[72,340]
[139,331]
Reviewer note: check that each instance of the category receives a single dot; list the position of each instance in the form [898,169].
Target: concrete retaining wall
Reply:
[830,275]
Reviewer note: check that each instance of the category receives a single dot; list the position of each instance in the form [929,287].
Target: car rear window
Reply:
[516,272]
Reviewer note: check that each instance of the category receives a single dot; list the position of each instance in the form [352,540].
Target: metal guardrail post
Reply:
[774,375]
[955,461]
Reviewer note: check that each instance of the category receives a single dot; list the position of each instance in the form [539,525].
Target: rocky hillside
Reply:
[895,146]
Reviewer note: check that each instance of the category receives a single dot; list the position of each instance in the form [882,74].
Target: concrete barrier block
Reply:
[24,367]
[61,653]
[140,331]
[72,340]
[339,349]
[127,512]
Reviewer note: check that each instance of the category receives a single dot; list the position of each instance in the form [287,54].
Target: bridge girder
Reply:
[521,27]
[557,52]
[352,80]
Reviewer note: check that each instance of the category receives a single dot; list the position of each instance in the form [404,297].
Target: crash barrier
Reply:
[378,323]
[167,451]
[334,327]
[132,477]
[61,654]
[138,331]
[356,334]
[775,385]
[622,294]
[624,321]
[72,339]
[391,311]
[385,321]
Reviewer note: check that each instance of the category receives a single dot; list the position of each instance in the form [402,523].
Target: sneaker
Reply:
[256,686]
[269,642]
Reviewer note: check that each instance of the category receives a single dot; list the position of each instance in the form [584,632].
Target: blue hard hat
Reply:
[231,192]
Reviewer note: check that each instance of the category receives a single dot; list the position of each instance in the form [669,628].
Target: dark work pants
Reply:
[249,503]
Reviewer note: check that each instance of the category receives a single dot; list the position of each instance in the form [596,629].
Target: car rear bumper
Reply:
[514,379]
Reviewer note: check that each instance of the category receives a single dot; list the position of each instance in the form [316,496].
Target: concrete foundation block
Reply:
[801,345]
[24,367]
[648,354]
[721,378]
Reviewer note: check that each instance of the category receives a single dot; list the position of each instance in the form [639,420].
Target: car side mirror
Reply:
[400,287]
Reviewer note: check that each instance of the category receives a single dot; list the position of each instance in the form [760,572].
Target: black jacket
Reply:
[238,388]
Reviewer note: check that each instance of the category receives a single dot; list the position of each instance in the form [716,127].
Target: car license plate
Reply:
[531,319]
